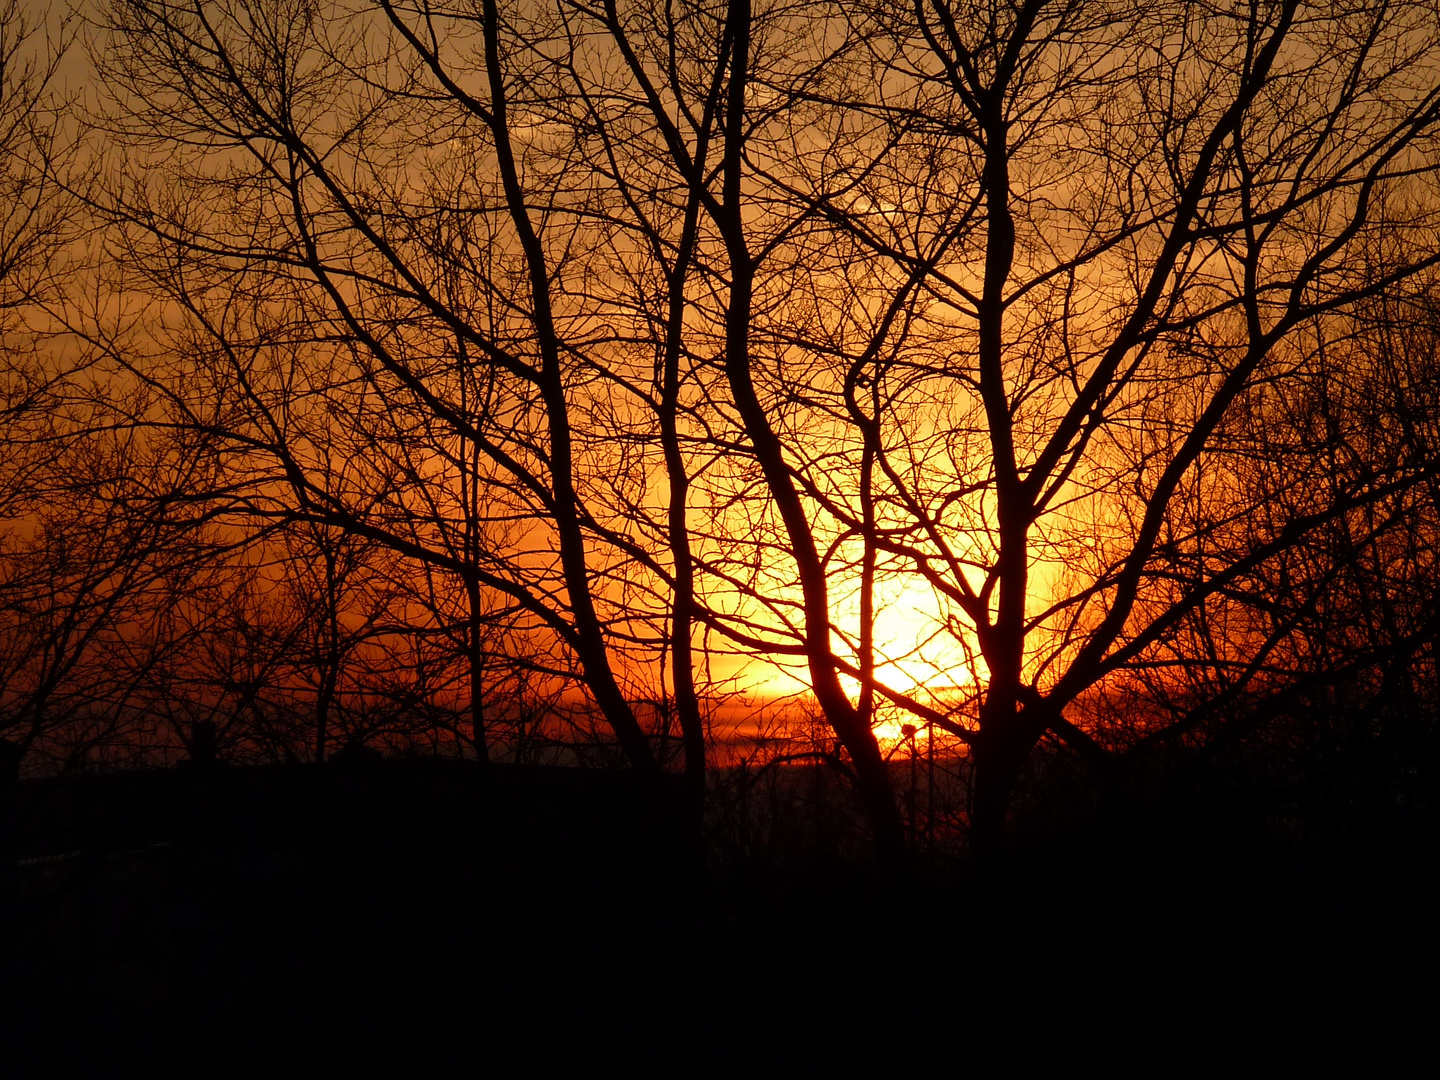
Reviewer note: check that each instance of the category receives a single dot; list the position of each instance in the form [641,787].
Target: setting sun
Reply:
[533,526]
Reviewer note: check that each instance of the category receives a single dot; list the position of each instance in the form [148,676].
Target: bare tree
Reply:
[1041,263]
[741,317]
[34,152]
[83,590]
[1156,218]
[77,569]
[402,340]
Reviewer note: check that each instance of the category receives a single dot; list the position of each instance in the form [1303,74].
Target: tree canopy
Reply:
[1031,371]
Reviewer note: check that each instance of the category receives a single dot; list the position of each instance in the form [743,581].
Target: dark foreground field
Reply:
[401,918]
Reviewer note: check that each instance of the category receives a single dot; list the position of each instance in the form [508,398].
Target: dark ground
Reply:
[406,918]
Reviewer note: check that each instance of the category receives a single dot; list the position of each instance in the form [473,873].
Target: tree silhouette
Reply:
[653,320]
[1155,222]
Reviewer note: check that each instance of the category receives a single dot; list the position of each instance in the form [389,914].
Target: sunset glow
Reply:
[627,422]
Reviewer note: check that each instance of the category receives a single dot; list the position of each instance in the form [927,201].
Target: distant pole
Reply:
[909,730]
[930,787]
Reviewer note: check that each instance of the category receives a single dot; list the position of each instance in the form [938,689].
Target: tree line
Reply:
[440,373]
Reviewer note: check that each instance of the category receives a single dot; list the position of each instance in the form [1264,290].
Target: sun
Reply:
[914,646]
[916,652]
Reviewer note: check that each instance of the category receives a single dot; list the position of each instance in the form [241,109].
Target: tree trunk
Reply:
[998,763]
[476,664]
